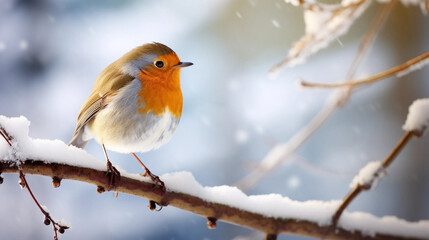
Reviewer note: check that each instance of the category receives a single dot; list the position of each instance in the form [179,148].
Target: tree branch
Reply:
[362,187]
[194,204]
[282,151]
[376,77]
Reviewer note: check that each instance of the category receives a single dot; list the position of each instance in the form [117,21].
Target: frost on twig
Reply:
[415,125]
[323,23]
[369,175]
[413,66]
[418,117]
[327,22]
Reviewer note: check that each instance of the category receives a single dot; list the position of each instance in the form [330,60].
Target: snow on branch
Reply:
[326,22]
[323,23]
[272,213]
[418,116]
[369,175]
[282,151]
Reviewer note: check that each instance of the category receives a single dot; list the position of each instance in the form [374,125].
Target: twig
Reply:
[373,78]
[281,151]
[6,136]
[48,219]
[24,184]
[312,41]
[270,236]
[369,37]
[360,188]
[194,204]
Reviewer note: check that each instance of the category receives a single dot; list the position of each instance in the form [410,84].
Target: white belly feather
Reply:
[120,128]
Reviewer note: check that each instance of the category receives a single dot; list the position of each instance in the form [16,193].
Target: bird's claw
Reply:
[158,182]
[113,174]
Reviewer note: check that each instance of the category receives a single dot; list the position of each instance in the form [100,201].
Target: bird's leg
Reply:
[152,176]
[112,173]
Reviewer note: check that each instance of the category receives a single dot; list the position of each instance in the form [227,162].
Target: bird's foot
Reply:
[113,175]
[155,179]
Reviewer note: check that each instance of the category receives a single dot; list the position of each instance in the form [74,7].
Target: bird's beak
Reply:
[183,64]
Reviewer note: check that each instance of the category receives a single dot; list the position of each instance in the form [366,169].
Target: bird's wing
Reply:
[106,86]
[92,106]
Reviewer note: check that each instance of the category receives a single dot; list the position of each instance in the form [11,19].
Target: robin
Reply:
[135,105]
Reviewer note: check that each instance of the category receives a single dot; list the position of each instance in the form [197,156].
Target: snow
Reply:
[241,136]
[322,25]
[370,225]
[35,149]
[275,23]
[369,175]
[46,209]
[418,116]
[64,223]
[295,3]
[238,14]
[293,182]
[23,45]
[270,205]
[275,205]
[315,21]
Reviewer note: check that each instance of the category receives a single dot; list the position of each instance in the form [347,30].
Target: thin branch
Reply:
[360,188]
[194,204]
[57,227]
[6,137]
[313,41]
[48,219]
[373,78]
[281,151]
[369,37]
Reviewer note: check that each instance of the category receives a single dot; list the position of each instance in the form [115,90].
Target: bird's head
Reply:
[155,62]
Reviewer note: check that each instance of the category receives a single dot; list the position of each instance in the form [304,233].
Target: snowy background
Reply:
[51,52]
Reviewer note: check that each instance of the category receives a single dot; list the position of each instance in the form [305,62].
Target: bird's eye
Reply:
[159,64]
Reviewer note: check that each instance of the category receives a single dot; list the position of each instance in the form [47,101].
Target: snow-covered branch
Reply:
[273,214]
[368,177]
[323,23]
[281,151]
[418,117]
[326,22]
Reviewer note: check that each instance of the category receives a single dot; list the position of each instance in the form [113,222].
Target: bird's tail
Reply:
[78,140]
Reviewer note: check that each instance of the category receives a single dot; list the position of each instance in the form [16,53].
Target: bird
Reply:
[135,105]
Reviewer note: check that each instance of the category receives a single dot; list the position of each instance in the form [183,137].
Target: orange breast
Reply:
[161,91]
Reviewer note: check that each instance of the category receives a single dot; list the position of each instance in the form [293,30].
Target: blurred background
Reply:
[52,51]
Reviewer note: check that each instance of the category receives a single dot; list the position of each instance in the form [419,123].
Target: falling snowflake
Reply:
[241,136]
[23,45]
[275,23]
[2,46]
[238,14]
